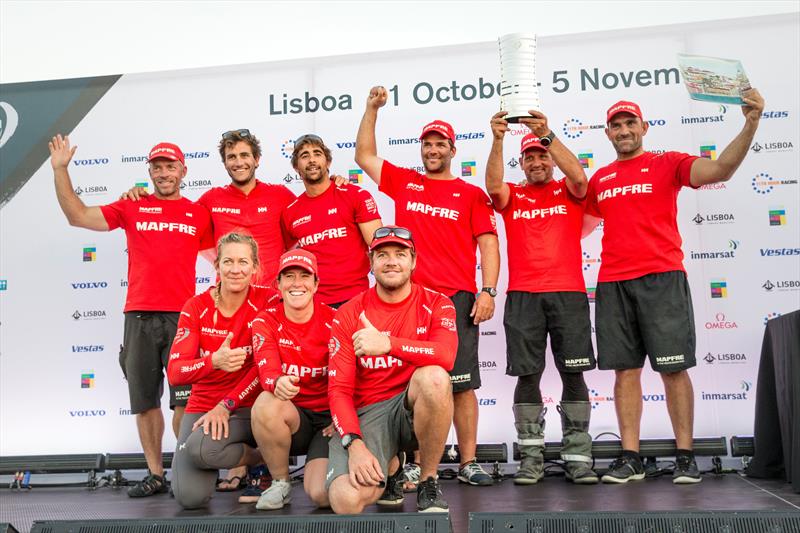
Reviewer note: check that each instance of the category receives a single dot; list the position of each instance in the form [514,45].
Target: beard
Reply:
[392,284]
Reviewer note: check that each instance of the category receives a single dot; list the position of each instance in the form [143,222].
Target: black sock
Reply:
[631,455]
[684,453]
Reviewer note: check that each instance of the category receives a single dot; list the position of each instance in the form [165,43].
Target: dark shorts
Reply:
[466,372]
[143,357]
[387,428]
[530,316]
[648,316]
[308,439]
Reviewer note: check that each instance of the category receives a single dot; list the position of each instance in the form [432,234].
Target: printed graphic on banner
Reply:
[708,151]
[586,159]
[763,183]
[770,316]
[719,288]
[87,379]
[468,169]
[777,216]
[355,175]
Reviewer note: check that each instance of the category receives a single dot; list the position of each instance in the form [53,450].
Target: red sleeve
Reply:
[683,167]
[114,214]
[288,240]
[342,372]
[393,178]
[591,207]
[287,196]
[364,205]
[265,352]
[482,216]
[442,343]
[207,237]
[243,389]
[185,364]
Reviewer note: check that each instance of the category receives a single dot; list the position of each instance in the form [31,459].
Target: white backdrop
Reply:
[61,389]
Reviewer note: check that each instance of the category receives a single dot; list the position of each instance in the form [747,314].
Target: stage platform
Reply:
[729,492]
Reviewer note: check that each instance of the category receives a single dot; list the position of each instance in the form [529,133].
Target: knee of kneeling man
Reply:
[433,378]
[190,501]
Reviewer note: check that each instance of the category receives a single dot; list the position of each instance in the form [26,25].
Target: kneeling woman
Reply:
[291,416]
[212,352]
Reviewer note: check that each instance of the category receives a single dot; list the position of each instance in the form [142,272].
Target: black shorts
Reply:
[143,357]
[647,316]
[530,316]
[308,439]
[465,374]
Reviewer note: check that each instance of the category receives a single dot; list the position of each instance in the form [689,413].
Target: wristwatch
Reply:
[547,139]
[349,439]
[228,404]
[490,290]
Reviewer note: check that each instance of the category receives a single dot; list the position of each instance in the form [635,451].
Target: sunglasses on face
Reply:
[402,233]
[235,133]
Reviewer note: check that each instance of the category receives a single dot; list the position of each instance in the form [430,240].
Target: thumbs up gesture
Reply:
[368,340]
[227,358]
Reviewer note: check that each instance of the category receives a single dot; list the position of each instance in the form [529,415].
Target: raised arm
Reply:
[705,171]
[366,148]
[564,159]
[78,214]
[498,190]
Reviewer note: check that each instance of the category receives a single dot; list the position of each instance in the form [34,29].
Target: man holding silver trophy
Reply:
[546,293]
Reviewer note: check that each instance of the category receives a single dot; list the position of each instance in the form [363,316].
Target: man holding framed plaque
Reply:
[644,306]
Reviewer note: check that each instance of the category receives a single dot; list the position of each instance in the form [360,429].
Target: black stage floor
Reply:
[731,492]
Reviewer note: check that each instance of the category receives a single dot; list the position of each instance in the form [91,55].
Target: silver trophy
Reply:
[519,91]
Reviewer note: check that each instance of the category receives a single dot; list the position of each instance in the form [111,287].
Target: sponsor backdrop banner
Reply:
[62,289]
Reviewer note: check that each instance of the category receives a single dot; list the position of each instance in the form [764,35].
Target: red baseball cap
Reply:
[298,258]
[167,151]
[441,127]
[623,107]
[531,142]
[392,235]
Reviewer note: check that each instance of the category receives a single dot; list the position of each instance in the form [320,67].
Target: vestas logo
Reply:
[84,348]
[9,119]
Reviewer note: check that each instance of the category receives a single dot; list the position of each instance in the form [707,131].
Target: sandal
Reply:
[231,484]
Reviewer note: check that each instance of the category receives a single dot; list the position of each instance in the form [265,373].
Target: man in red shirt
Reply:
[164,233]
[334,222]
[390,352]
[546,294]
[449,218]
[291,416]
[644,306]
[248,204]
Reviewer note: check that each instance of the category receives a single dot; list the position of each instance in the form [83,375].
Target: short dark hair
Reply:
[313,140]
[234,137]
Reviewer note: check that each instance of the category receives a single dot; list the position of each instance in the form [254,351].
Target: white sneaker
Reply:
[276,496]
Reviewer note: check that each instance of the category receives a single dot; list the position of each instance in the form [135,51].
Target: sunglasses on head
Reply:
[308,137]
[402,233]
[235,133]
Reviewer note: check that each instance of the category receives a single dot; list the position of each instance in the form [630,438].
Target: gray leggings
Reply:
[198,458]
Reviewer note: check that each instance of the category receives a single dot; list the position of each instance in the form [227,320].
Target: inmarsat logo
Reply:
[8,122]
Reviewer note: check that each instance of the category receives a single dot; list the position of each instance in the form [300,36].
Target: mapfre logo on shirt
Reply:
[150,210]
[638,188]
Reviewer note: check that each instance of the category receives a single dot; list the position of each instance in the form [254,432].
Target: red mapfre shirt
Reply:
[327,226]
[445,218]
[282,347]
[256,214]
[543,236]
[201,331]
[422,330]
[638,201]
[164,237]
